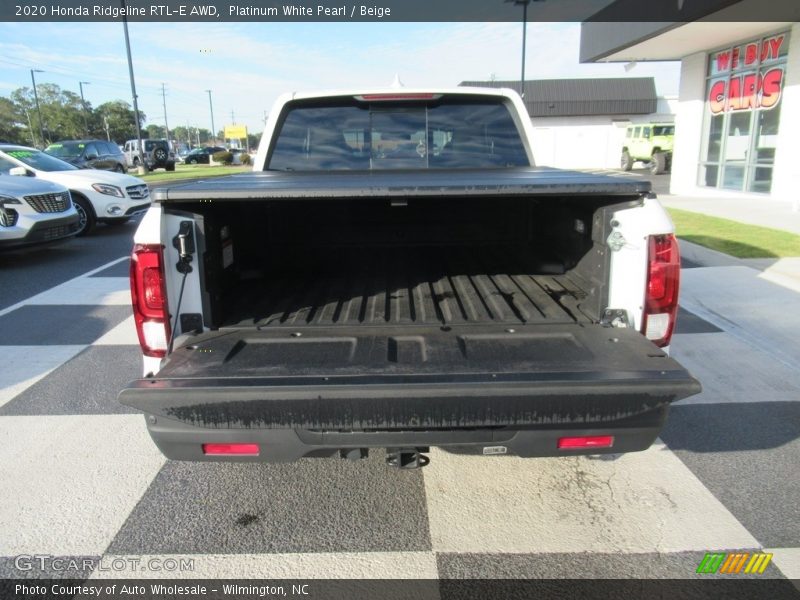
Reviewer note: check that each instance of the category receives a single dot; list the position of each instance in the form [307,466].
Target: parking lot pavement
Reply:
[82,478]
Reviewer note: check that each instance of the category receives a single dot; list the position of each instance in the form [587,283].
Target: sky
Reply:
[247,65]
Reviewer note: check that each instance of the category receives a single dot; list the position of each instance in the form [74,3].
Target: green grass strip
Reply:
[734,238]
[193,172]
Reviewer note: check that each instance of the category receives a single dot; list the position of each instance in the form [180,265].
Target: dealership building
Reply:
[581,123]
[737,116]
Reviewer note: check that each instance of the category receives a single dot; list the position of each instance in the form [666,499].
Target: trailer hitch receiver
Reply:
[407,458]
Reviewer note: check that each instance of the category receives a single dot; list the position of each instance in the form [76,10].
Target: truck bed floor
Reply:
[394,285]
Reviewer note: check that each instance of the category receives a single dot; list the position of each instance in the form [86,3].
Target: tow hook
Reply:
[407,458]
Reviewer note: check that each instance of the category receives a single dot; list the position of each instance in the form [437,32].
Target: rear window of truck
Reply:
[354,134]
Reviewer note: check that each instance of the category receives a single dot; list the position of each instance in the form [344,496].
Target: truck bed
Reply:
[400,286]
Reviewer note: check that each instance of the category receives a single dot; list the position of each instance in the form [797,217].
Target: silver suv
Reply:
[34,211]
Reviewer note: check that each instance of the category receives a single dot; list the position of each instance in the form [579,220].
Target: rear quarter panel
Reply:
[628,277]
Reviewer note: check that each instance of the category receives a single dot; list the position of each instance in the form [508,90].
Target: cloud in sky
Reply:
[247,65]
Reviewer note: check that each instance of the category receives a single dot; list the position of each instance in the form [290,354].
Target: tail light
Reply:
[661,299]
[583,442]
[149,299]
[231,449]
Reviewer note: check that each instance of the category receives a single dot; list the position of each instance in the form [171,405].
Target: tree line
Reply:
[65,117]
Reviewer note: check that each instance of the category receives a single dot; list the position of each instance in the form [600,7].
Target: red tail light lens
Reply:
[663,279]
[231,449]
[591,441]
[149,299]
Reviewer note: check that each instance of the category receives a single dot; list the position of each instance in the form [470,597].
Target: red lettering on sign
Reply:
[735,58]
[749,92]
[771,88]
[775,46]
[723,60]
[750,54]
[735,93]
[716,97]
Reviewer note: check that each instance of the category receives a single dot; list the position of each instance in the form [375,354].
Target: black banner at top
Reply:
[660,11]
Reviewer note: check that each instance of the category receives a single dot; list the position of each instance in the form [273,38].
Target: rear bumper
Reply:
[524,413]
[180,441]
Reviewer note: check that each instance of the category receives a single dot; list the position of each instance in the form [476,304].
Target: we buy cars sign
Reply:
[749,90]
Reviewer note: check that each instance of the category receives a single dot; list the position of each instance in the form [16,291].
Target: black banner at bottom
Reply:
[405,589]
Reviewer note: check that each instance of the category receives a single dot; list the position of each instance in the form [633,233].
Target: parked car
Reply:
[157,154]
[33,211]
[181,154]
[98,196]
[352,295]
[650,143]
[90,154]
[202,155]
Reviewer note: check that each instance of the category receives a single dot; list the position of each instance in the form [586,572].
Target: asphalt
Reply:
[29,271]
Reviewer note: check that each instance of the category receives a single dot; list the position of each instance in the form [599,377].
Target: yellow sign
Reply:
[235,132]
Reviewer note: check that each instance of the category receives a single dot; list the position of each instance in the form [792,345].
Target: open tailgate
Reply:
[412,378]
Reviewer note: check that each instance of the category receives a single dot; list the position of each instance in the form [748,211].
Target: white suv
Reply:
[34,212]
[99,196]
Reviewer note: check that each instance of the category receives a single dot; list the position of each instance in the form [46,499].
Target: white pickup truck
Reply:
[396,273]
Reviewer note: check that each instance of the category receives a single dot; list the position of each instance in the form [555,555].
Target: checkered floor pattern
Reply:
[81,477]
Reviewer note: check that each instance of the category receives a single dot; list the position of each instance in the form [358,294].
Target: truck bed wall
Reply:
[282,249]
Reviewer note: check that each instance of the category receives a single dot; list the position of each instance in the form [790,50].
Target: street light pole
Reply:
[36,99]
[524,4]
[211,108]
[142,163]
[83,106]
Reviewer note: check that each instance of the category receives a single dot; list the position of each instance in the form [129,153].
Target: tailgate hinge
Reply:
[616,241]
[616,317]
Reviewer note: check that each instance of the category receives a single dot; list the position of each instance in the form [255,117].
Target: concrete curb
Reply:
[706,257]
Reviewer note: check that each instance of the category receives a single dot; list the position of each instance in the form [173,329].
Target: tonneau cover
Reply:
[526,181]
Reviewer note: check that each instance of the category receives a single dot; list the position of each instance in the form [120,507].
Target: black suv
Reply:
[157,154]
[90,154]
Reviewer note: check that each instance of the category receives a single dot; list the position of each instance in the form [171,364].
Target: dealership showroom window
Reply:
[742,118]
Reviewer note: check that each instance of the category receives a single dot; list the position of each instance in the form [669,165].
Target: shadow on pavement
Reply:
[732,427]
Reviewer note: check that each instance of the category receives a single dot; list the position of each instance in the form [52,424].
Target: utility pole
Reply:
[30,127]
[83,106]
[211,108]
[142,164]
[164,102]
[107,128]
[36,99]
